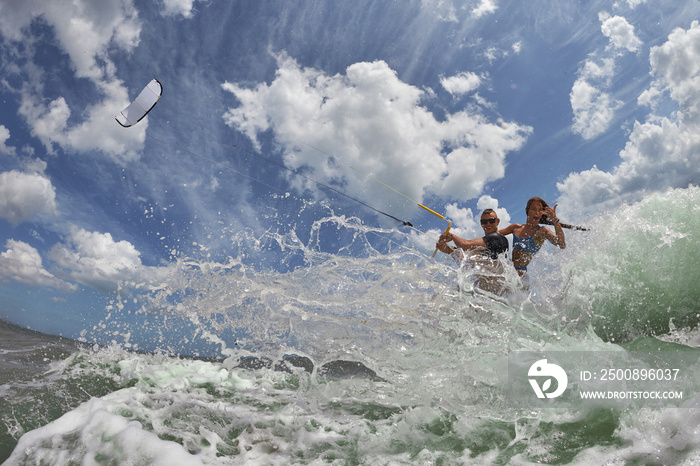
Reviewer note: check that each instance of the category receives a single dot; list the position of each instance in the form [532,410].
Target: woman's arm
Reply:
[509,229]
[557,238]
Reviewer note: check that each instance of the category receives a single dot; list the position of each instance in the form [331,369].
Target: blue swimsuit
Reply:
[525,244]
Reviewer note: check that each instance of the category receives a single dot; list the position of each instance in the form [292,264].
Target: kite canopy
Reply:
[143,104]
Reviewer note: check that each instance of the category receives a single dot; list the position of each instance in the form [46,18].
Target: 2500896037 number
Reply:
[639,374]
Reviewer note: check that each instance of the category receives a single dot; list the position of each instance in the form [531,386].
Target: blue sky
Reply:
[458,105]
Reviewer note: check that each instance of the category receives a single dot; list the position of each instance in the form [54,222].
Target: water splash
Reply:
[636,271]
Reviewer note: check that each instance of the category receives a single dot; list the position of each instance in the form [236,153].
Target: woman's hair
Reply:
[535,199]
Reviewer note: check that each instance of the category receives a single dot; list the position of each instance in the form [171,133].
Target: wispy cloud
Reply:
[443,9]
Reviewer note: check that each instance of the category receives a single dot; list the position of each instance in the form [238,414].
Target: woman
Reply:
[529,238]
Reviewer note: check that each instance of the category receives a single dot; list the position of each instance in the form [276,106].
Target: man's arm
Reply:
[462,243]
[469,243]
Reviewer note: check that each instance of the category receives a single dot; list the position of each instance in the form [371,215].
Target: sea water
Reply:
[362,357]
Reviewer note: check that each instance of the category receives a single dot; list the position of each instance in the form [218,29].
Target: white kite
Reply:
[143,104]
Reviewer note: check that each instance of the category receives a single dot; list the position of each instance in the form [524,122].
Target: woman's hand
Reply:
[551,213]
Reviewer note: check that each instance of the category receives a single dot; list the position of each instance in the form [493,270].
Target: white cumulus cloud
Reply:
[462,83]
[24,195]
[676,68]
[4,136]
[22,263]
[620,32]
[98,131]
[183,8]
[97,260]
[592,105]
[664,151]
[371,120]
[484,8]
[593,109]
[87,32]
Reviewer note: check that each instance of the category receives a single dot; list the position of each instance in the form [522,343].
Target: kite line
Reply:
[281,165]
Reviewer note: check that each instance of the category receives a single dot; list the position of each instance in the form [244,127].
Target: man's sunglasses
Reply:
[484,221]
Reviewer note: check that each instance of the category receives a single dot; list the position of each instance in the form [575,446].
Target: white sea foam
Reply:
[428,360]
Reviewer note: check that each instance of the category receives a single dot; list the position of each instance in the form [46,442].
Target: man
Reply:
[492,243]
[486,272]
